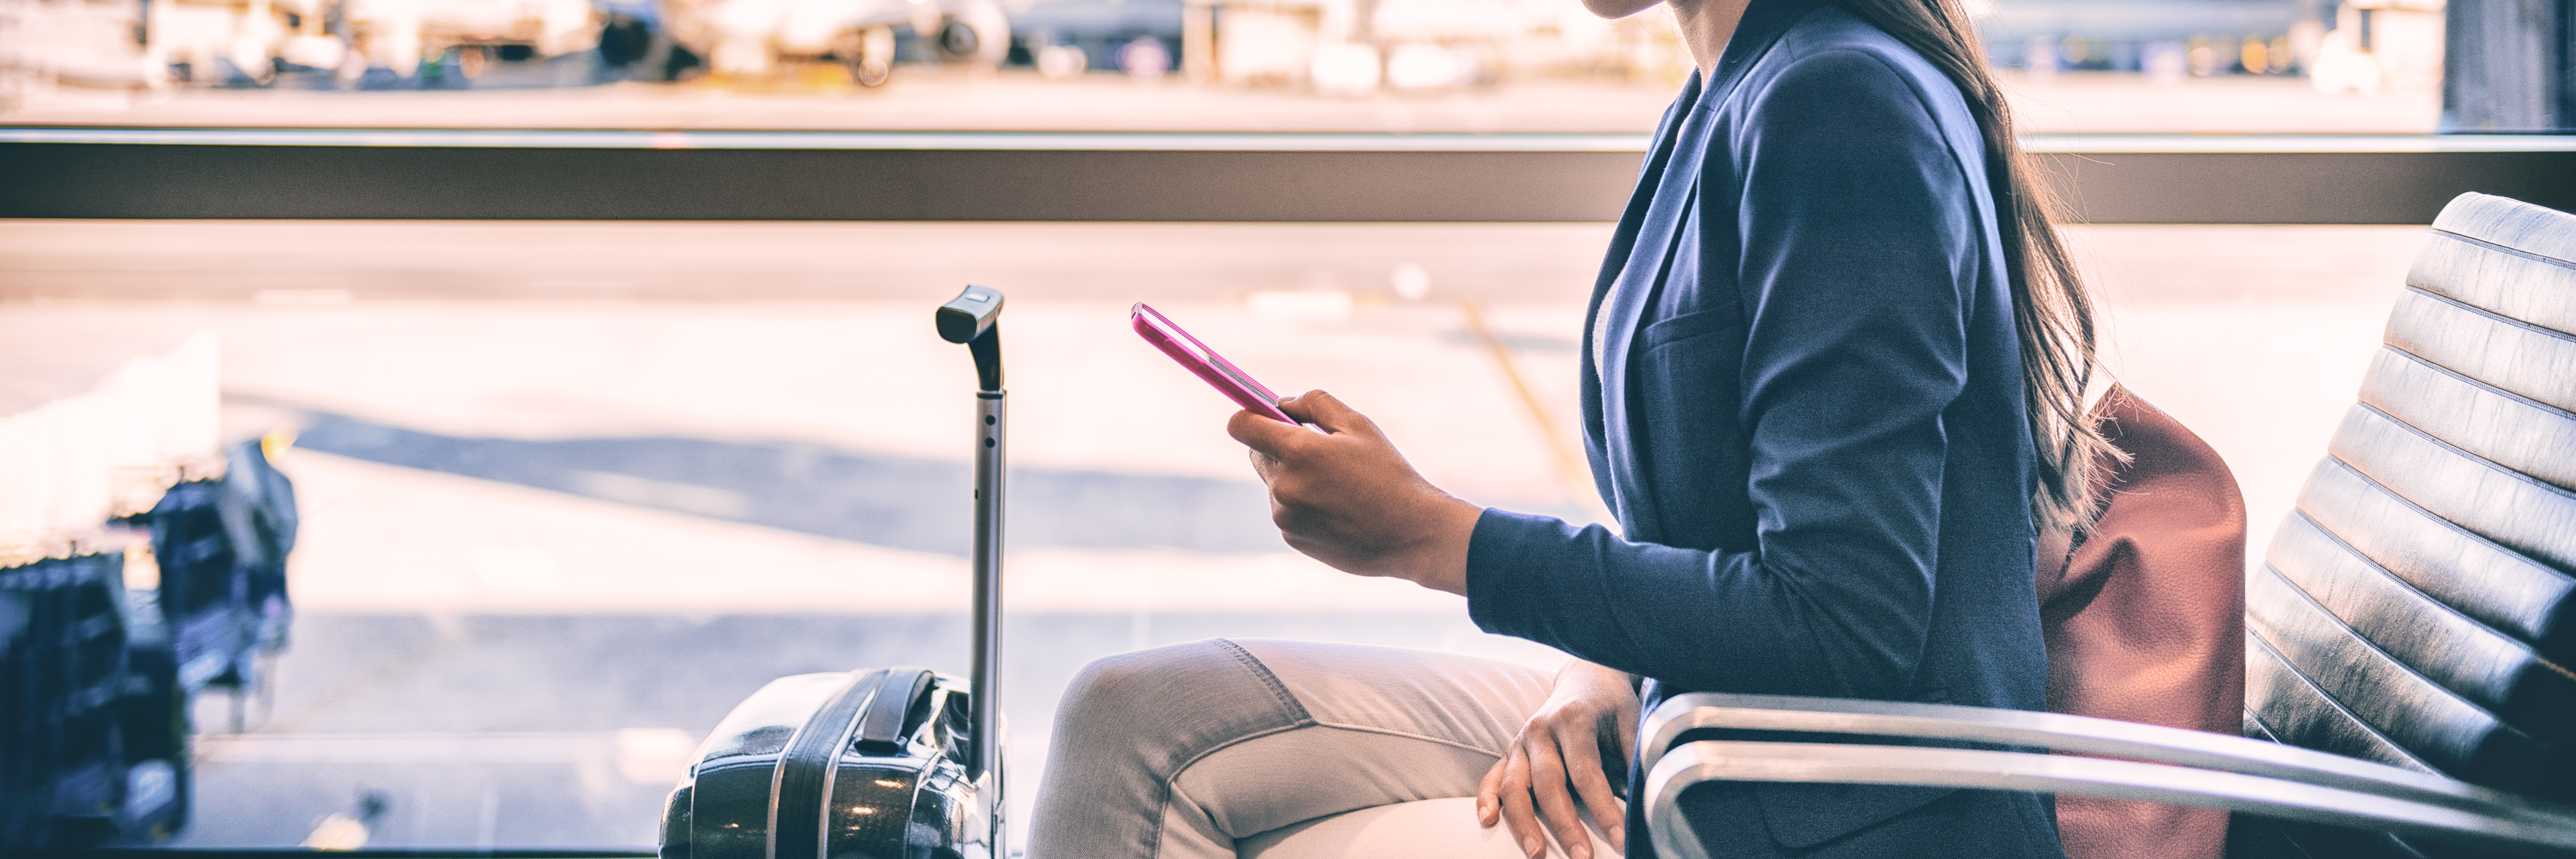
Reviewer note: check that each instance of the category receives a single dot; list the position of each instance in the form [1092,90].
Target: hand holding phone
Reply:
[1228,379]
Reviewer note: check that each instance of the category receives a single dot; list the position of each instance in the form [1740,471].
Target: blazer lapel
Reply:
[1615,331]
[1619,300]
[1622,243]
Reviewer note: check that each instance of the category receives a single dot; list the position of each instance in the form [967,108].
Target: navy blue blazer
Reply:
[1803,399]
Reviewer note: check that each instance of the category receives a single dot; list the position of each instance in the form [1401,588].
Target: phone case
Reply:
[1229,379]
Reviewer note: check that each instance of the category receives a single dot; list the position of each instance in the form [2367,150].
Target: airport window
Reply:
[593,342]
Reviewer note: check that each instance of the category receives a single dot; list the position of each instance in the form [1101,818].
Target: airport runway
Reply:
[572,490]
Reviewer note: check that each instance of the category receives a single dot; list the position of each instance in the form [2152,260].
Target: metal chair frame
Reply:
[2169,765]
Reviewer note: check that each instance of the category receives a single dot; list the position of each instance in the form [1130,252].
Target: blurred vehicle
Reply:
[368,43]
[1354,47]
[231,42]
[635,42]
[92,43]
[432,37]
[750,38]
[1101,30]
[2165,39]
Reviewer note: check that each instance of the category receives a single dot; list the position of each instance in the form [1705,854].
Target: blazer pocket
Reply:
[1689,325]
[1682,416]
[1691,366]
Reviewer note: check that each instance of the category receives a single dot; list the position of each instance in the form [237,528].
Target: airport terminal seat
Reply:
[2408,632]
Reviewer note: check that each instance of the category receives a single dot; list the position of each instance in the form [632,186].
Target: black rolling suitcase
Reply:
[878,763]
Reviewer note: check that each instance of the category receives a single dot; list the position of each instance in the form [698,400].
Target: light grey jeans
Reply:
[1179,752]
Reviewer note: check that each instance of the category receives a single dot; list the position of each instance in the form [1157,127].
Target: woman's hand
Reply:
[1345,497]
[1589,717]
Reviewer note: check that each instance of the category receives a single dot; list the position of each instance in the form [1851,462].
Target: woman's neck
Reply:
[1705,26]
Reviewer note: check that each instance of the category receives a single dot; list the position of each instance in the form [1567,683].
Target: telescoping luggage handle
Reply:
[872,710]
[974,318]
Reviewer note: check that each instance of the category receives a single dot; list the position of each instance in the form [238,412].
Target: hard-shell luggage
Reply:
[877,763]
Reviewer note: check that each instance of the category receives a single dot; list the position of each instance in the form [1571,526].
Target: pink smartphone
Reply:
[1236,384]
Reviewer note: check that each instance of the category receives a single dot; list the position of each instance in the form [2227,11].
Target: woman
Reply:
[1833,371]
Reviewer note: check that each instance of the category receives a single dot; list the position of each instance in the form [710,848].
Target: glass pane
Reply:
[1395,66]
[572,491]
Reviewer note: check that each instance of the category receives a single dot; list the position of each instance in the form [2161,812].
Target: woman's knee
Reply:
[1120,686]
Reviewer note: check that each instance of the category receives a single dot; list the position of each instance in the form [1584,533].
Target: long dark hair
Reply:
[2050,306]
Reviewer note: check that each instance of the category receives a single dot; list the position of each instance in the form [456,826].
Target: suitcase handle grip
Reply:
[970,314]
[803,779]
[888,720]
[974,318]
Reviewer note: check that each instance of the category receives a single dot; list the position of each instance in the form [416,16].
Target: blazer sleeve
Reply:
[1858,257]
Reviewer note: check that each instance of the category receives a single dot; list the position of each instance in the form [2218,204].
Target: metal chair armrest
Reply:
[2524,829]
[2059,732]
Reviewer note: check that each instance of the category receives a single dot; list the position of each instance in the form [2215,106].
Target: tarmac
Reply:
[571,490]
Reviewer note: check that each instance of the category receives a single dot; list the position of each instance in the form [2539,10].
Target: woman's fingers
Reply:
[1327,413]
[1547,779]
[1560,759]
[1263,435]
[1489,795]
[1592,785]
[1518,815]
[1349,499]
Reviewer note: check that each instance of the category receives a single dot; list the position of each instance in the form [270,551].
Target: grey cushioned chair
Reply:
[2409,632]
